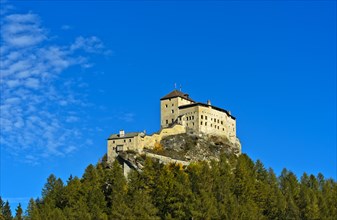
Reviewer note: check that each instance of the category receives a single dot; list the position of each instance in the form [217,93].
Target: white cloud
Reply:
[127,117]
[21,30]
[35,119]
[92,44]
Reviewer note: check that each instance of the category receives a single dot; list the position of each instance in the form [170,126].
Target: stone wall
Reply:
[167,160]
[169,110]
[201,119]
[138,143]
[149,141]
[123,144]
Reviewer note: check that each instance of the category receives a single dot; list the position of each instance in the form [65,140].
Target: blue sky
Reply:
[74,72]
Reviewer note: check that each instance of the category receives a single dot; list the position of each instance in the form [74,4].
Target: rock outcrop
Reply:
[183,149]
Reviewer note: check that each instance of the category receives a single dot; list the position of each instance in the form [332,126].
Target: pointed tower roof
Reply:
[177,93]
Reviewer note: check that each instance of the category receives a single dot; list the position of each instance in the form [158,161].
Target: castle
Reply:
[178,114]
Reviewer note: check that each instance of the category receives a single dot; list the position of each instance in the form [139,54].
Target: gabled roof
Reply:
[127,135]
[177,93]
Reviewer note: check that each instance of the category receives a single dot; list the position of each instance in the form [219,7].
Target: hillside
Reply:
[182,148]
[228,188]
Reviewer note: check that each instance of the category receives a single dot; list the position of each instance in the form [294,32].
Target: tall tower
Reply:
[169,104]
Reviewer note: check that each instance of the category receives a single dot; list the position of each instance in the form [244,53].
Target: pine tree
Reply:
[224,180]
[291,190]
[139,198]
[202,181]
[2,204]
[231,188]
[53,193]
[91,187]
[32,212]
[244,188]
[308,202]
[18,213]
[329,192]
[7,213]
[115,190]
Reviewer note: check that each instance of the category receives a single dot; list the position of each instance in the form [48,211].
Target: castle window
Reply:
[193,117]
[206,117]
[218,127]
[223,129]
[202,117]
[119,148]
[205,123]
[166,121]
[129,140]
[218,120]
[201,123]
[193,123]
[214,120]
[211,125]
[222,122]
[172,120]
[124,141]
[172,111]
[172,104]
[166,106]
[113,142]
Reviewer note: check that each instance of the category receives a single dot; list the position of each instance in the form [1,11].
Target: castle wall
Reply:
[167,160]
[169,110]
[190,119]
[201,119]
[149,141]
[137,143]
[123,144]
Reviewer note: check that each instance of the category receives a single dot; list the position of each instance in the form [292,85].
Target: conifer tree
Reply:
[7,213]
[290,189]
[244,188]
[231,188]
[2,204]
[18,213]
[115,190]
[53,193]
[139,198]
[204,204]
[32,212]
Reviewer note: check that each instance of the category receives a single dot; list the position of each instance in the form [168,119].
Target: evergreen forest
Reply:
[231,188]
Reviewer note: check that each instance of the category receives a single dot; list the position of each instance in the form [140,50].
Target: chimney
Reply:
[208,102]
[121,133]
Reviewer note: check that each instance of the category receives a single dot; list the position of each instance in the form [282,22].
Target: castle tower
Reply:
[169,107]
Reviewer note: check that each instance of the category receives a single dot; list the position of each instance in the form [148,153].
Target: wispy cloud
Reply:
[35,119]
[127,117]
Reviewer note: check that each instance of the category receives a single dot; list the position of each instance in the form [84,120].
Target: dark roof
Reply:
[177,93]
[206,105]
[126,135]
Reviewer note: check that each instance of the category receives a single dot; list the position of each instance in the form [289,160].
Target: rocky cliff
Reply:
[185,147]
